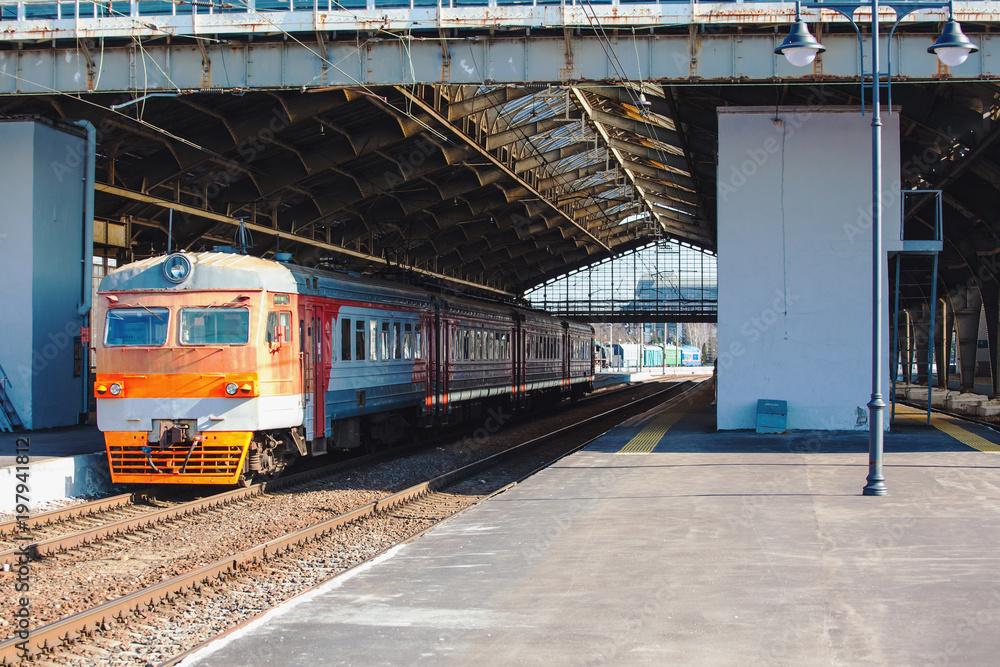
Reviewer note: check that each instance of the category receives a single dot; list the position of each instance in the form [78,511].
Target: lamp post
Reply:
[801,48]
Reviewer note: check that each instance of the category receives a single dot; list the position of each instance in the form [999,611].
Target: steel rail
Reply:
[61,543]
[85,622]
[75,512]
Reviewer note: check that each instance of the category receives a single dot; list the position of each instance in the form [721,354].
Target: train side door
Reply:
[306,352]
[321,363]
[446,364]
[566,349]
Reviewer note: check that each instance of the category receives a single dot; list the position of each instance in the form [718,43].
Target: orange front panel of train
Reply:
[216,460]
[177,385]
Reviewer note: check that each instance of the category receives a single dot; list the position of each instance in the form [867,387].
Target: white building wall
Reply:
[41,252]
[17,260]
[795,262]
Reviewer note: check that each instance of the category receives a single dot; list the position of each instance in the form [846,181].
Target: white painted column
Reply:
[795,262]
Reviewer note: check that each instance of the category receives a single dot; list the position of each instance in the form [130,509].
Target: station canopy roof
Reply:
[492,187]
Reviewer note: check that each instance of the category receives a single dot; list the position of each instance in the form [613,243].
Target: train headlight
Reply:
[115,389]
[232,388]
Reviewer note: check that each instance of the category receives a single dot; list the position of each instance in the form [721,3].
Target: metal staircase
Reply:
[915,306]
[9,421]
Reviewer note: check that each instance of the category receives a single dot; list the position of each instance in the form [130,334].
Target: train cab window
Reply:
[384,343]
[360,327]
[215,326]
[345,338]
[373,340]
[136,326]
[279,328]
[397,340]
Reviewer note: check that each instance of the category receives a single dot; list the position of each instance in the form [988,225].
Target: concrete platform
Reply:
[610,378]
[701,548]
[64,463]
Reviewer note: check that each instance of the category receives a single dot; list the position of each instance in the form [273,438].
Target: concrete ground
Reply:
[52,443]
[63,463]
[711,549]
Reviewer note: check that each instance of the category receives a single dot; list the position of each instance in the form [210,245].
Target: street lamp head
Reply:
[800,47]
[952,47]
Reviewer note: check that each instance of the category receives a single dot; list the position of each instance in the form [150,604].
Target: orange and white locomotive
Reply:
[217,368]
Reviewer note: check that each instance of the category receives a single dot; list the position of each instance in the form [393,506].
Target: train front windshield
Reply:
[137,326]
[215,326]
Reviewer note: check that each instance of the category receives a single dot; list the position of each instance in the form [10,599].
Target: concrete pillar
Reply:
[991,312]
[944,324]
[922,343]
[795,263]
[42,250]
[908,347]
[966,304]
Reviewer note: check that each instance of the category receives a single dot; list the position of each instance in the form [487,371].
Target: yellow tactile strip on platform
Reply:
[649,437]
[950,428]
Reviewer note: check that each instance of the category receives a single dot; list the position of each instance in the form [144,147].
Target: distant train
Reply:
[626,355]
[220,368]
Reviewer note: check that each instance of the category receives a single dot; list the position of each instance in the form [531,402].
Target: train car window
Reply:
[490,345]
[373,340]
[479,345]
[215,326]
[360,327]
[397,340]
[465,344]
[418,348]
[384,343]
[345,338]
[407,341]
[136,326]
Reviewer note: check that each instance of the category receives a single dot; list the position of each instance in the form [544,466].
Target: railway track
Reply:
[63,527]
[81,525]
[436,498]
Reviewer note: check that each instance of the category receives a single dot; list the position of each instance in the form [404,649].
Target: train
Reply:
[219,368]
[626,355]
